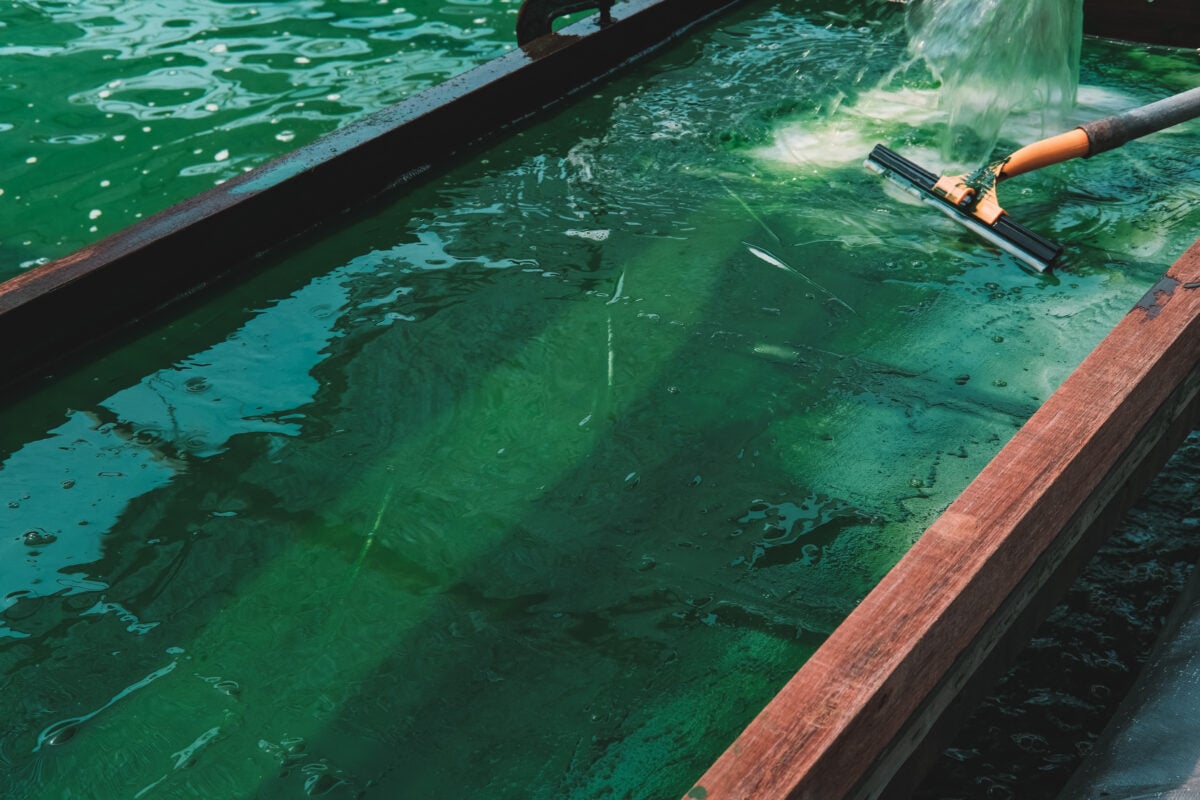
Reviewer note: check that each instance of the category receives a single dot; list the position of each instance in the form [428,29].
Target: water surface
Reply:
[112,110]
[540,480]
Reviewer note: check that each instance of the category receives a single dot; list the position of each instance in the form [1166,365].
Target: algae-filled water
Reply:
[112,110]
[540,480]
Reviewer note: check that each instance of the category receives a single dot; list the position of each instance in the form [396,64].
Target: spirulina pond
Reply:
[540,480]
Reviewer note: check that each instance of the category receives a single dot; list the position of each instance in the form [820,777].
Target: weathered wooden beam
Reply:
[62,306]
[864,706]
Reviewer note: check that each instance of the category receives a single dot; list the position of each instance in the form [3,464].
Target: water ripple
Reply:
[183,82]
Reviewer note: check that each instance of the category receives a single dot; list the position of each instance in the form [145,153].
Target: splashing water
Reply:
[994,58]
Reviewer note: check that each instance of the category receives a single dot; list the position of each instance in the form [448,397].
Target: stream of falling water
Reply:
[994,58]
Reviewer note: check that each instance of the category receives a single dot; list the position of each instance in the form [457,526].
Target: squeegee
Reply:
[970,198]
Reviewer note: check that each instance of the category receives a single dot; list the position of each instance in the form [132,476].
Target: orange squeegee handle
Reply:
[1104,134]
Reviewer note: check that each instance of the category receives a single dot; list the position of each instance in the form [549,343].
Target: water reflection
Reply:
[63,493]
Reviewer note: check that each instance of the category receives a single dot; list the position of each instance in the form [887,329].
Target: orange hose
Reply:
[1063,147]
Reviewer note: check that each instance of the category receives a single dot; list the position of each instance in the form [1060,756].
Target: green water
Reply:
[539,481]
[113,110]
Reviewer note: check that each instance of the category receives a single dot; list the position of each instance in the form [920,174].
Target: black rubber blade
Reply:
[1022,243]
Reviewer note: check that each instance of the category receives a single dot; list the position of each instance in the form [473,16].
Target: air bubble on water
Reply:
[38,537]
[64,733]
[321,783]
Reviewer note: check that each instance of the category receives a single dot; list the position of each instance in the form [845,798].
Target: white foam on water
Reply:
[879,114]
[594,235]
[847,138]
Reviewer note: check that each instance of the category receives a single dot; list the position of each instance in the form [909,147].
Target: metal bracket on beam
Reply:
[536,17]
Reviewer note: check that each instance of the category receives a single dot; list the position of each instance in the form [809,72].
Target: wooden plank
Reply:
[866,702]
[66,304]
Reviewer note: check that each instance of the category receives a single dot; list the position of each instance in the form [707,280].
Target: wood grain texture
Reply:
[865,702]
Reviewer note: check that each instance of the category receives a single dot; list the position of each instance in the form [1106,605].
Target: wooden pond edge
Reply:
[66,305]
[1173,23]
[865,716]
